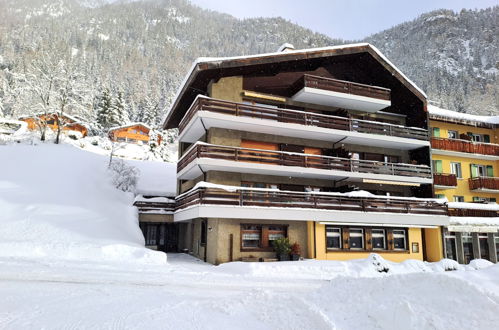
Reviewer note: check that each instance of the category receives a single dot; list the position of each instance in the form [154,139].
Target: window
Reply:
[260,237]
[437,166]
[458,198]
[439,196]
[496,241]
[333,237]
[476,137]
[481,170]
[450,246]
[467,247]
[484,246]
[455,168]
[276,232]
[399,240]
[356,239]
[452,134]
[251,236]
[436,132]
[378,239]
[204,232]
[51,122]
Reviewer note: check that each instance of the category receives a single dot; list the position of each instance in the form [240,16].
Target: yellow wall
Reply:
[433,244]
[415,235]
[462,188]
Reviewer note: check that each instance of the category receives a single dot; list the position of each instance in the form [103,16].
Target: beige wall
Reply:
[219,231]
[149,217]
[227,88]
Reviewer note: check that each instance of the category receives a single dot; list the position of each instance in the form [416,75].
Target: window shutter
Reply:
[436,131]
[474,170]
[490,171]
[346,236]
[438,166]
[486,138]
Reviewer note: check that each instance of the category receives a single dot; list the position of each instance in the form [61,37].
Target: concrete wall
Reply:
[227,88]
[149,217]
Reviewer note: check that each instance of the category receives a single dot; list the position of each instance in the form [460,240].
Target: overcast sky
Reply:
[346,19]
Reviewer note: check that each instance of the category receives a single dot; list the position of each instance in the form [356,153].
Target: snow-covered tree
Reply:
[106,114]
[150,112]
[119,109]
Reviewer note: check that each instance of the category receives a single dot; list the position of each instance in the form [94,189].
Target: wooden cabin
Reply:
[131,133]
[71,123]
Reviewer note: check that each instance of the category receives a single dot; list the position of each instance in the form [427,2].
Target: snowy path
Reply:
[189,294]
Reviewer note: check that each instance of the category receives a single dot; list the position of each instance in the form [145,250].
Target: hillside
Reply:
[57,203]
[142,49]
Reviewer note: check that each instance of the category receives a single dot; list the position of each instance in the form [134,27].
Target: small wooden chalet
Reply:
[131,133]
[71,124]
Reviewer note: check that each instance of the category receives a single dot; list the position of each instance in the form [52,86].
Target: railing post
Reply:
[241,201]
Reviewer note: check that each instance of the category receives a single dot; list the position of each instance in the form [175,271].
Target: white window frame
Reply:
[455,168]
[356,234]
[333,233]
[449,236]
[451,132]
[383,234]
[403,235]
[458,199]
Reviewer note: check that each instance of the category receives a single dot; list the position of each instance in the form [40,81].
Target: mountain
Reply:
[142,50]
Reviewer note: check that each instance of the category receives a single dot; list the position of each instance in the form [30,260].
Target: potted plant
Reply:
[282,248]
[295,251]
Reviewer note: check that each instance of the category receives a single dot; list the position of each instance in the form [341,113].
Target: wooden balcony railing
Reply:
[483,182]
[216,196]
[301,118]
[465,146]
[472,213]
[340,86]
[301,160]
[441,179]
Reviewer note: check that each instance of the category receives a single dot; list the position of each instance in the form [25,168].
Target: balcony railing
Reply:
[447,180]
[301,160]
[465,146]
[341,86]
[216,196]
[472,213]
[301,118]
[482,182]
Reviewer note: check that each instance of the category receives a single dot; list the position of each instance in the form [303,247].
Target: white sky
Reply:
[345,19]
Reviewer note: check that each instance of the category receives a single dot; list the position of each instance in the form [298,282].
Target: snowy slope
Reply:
[57,202]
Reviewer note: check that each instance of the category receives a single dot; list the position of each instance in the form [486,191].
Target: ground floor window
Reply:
[333,237]
[399,240]
[496,241]
[467,247]
[366,239]
[450,246]
[378,239]
[260,237]
[484,246]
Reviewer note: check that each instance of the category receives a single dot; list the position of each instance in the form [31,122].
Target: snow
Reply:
[436,111]
[275,295]
[156,178]
[473,206]
[57,202]
[130,125]
[141,198]
[475,221]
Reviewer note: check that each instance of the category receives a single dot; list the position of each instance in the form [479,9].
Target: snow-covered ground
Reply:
[72,256]
[189,294]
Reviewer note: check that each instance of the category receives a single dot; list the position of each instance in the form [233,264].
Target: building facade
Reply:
[328,147]
[465,156]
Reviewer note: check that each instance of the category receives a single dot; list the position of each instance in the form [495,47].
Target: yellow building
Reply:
[465,157]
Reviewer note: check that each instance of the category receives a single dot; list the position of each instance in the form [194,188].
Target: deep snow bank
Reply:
[56,201]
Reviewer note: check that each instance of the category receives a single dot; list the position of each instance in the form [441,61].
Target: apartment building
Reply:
[328,147]
[465,153]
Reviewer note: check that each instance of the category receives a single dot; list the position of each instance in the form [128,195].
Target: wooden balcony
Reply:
[484,183]
[301,160]
[145,206]
[341,86]
[284,199]
[301,118]
[465,146]
[444,180]
[472,213]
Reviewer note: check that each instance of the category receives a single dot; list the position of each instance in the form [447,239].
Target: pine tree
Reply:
[119,110]
[150,113]
[105,117]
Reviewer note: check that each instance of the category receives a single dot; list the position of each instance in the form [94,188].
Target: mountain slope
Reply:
[144,48]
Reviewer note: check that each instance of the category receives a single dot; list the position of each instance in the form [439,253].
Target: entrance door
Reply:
[160,236]
[467,248]
[484,246]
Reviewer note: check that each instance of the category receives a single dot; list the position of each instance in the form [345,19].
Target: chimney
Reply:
[286,47]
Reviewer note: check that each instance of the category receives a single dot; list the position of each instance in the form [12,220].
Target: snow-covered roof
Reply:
[326,51]
[70,117]
[473,206]
[10,126]
[158,199]
[130,125]
[439,113]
